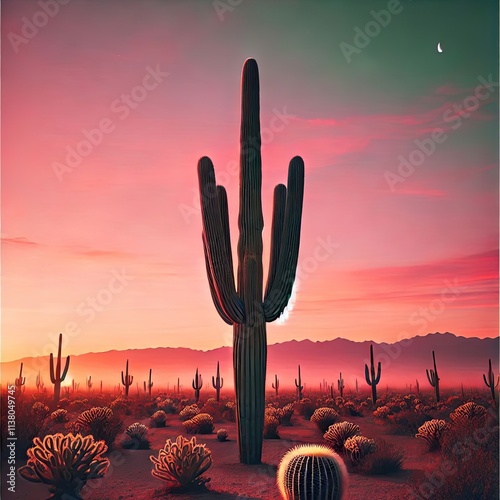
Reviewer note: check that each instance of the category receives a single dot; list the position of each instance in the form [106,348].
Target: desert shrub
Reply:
[408,422]
[285,414]
[101,423]
[229,412]
[358,447]
[306,408]
[65,463]
[337,434]
[158,419]
[271,424]
[222,435]
[135,437]
[167,405]
[40,411]
[432,432]
[467,412]
[203,423]
[63,403]
[324,417]
[214,408]
[59,416]
[350,409]
[121,405]
[387,458]
[189,412]
[382,412]
[182,462]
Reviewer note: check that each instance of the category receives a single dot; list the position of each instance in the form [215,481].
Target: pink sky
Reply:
[130,207]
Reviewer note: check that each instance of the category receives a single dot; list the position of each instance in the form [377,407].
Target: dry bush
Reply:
[386,459]
[324,417]
[203,423]
[432,432]
[337,434]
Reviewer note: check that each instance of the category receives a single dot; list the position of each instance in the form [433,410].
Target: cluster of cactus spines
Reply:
[217,383]
[276,384]
[312,471]
[149,384]
[136,431]
[467,412]
[89,382]
[431,432]
[359,447]
[489,380]
[39,382]
[245,307]
[182,462]
[433,378]
[56,376]
[127,379]
[338,433]
[65,463]
[203,423]
[20,381]
[299,386]
[222,435]
[159,418]
[371,379]
[341,385]
[197,385]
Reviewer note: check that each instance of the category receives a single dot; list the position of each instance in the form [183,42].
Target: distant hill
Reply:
[459,360]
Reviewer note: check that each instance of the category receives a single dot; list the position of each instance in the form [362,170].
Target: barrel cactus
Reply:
[312,472]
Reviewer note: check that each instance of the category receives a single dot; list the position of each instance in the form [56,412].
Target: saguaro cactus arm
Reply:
[221,269]
[490,382]
[281,279]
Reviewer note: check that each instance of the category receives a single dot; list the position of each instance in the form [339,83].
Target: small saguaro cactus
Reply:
[178,385]
[341,385]
[299,386]
[417,387]
[56,377]
[39,382]
[149,384]
[433,377]
[89,382]
[197,385]
[357,390]
[371,379]
[332,391]
[20,381]
[127,379]
[101,386]
[217,383]
[74,385]
[490,381]
[310,472]
[276,384]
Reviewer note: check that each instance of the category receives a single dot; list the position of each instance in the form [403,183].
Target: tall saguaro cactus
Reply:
[197,385]
[149,384]
[371,379]
[490,381]
[127,379]
[299,386]
[433,377]
[245,306]
[56,377]
[217,383]
[20,381]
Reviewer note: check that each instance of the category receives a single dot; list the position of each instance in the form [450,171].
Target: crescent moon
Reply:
[439,47]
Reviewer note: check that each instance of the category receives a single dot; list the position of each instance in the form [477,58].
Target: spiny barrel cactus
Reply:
[65,463]
[311,472]
[182,462]
[431,432]
[222,435]
[337,434]
[159,418]
[244,306]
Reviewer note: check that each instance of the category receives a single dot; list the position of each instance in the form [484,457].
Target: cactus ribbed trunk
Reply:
[244,306]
